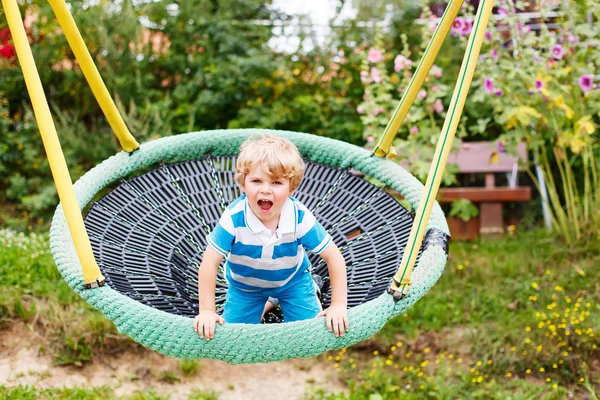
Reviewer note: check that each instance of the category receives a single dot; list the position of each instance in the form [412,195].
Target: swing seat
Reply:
[148,235]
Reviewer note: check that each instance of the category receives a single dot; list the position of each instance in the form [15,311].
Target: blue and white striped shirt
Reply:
[259,259]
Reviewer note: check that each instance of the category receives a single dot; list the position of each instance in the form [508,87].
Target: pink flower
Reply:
[488,84]
[378,111]
[557,51]
[502,11]
[435,88]
[499,92]
[370,139]
[458,25]
[488,35]
[374,55]
[360,110]
[414,130]
[364,77]
[438,107]
[467,27]
[436,71]
[539,85]
[422,94]
[494,54]
[586,83]
[500,147]
[375,76]
[401,62]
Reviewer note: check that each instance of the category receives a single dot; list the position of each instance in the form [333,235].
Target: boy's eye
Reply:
[277,183]
[256,181]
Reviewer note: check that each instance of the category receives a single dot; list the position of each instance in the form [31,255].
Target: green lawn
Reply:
[514,317]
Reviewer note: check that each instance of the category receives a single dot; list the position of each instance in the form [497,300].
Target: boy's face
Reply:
[266,195]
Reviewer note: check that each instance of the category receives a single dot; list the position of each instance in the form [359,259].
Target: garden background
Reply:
[511,317]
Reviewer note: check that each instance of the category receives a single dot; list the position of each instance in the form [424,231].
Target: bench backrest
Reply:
[477,157]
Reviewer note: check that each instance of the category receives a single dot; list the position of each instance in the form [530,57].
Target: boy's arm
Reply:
[207,279]
[337,313]
[207,317]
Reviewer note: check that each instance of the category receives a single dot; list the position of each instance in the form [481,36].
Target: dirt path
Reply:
[22,363]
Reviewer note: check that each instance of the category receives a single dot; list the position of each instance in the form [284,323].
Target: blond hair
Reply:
[277,156]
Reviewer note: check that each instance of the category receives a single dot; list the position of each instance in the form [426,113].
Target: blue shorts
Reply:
[298,301]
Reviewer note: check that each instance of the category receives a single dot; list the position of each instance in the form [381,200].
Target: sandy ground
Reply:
[22,363]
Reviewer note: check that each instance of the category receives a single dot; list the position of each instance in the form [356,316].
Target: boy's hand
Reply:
[205,323]
[336,318]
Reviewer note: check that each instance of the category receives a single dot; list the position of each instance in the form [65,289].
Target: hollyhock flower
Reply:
[370,139]
[502,11]
[586,82]
[494,54]
[488,35]
[378,111]
[557,51]
[467,27]
[436,71]
[433,26]
[438,107]
[499,92]
[500,147]
[414,130]
[435,88]
[539,85]
[488,84]
[360,110]
[422,94]
[374,55]
[375,76]
[572,38]
[458,25]
[401,62]
[364,77]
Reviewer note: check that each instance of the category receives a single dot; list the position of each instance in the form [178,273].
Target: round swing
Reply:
[146,236]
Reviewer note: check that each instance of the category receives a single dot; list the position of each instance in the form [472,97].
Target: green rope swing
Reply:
[239,343]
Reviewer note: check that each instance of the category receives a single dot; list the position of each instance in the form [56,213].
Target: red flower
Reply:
[7,51]
[5,36]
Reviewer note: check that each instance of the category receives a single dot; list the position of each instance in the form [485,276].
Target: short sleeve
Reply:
[222,237]
[311,234]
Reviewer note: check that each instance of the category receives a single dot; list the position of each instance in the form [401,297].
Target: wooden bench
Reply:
[476,158]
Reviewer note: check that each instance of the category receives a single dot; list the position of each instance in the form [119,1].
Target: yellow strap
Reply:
[408,98]
[128,142]
[401,281]
[56,159]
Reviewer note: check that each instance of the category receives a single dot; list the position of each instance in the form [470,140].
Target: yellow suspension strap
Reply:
[65,19]
[384,148]
[91,273]
[401,281]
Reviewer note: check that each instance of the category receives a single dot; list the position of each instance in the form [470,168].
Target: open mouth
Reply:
[265,205]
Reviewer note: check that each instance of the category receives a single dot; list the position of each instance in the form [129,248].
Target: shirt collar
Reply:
[287,220]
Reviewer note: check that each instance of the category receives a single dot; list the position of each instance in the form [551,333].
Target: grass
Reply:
[513,317]
[97,393]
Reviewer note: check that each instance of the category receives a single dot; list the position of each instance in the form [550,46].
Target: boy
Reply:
[265,232]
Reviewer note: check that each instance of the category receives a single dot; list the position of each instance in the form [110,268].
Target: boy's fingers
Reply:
[211,329]
[328,322]
[196,324]
[341,326]
[347,324]
[221,320]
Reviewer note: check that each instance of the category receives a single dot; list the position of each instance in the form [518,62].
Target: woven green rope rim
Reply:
[174,335]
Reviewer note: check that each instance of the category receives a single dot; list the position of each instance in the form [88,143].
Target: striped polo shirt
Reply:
[258,259]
